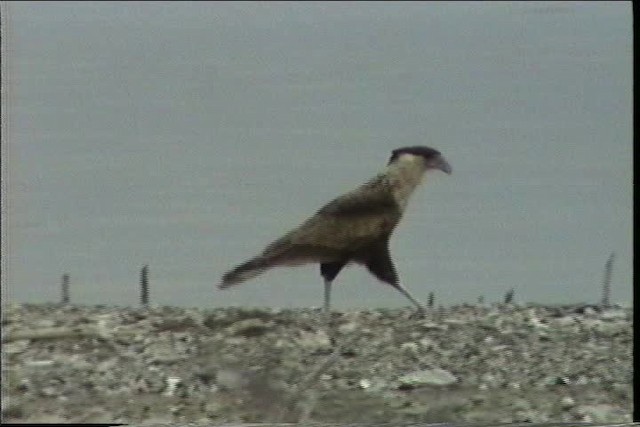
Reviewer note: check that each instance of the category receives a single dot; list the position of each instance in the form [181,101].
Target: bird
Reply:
[352,228]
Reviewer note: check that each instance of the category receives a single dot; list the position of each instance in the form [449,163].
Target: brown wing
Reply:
[341,227]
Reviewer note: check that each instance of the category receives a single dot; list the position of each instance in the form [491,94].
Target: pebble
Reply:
[249,327]
[567,402]
[314,340]
[435,376]
[601,413]
[39,363]
[231,379]
[614,315]
[15,347]
[347,328]
[409,347]
[172,383]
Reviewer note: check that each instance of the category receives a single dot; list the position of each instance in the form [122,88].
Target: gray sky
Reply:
[187,136]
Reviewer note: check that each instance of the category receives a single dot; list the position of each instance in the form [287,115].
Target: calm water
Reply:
[188,136]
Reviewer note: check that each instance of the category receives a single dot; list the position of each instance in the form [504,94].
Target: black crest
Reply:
[418,150]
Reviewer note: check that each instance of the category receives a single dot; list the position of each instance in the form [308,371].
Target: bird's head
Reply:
[431,158]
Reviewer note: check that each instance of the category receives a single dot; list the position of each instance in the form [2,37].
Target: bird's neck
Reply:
[403,176]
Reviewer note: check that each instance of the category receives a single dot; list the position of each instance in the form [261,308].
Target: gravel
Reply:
[491,364]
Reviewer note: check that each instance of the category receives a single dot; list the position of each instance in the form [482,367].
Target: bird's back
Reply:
[341,227]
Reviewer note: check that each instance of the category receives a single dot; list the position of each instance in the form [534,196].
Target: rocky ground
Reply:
[241,365]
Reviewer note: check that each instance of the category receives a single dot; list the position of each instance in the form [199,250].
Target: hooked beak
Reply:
[440,163]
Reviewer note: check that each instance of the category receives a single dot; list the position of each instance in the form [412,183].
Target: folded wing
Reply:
[341,227]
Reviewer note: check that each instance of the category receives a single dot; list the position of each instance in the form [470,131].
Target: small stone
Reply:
[213,408]
[529,416]
[349,352]
[613,314]
[582,380]
[39,363]
[97,416]
[478,399]
[45,323]
[537,323]
[567,402]
[175,410]
[409,347]
[431,326]
[455,322]
[566,321]
[602,413]
[172,383]
[364,383]
[15,347]
[49,392]
[314,340]
[24,385]
[230,379]
[435,376]
[347,328]
[521,405]
[414,409]
[249,327]
[428,343]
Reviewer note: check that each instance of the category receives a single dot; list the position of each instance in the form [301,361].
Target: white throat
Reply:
[404,175]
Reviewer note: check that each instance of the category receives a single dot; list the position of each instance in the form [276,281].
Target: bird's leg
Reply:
[421,310]
[329,271]
[327,301]
[327,312]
